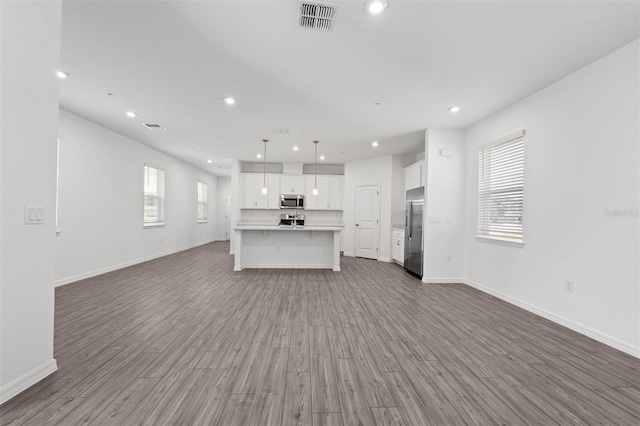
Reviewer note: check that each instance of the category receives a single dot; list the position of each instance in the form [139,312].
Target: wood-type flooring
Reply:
[184,340]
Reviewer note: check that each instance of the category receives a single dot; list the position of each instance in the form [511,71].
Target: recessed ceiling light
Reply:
[374,144]
[229,100]
[259,155]
[454,109]
[376,6]
[131,114]
[209,161]
[322,157]
[295,148]
[62,74]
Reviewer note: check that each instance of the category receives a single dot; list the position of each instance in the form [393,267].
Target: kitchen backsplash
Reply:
[273,216]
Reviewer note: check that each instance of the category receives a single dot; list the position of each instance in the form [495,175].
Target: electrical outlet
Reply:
[449,258]
[162,239]
[277,248]
[568,286]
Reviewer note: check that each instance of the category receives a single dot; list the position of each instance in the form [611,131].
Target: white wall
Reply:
[224,188]
[398,164]
[368,172]
[444,216]
[101,202]
[581,161]
[29,58]
[235,202]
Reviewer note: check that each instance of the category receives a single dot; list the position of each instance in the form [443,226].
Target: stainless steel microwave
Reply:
[291,201]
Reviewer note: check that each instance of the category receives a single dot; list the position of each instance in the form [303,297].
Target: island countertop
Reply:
[266,227]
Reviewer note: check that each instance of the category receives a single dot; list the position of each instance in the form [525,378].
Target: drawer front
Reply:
[398,234]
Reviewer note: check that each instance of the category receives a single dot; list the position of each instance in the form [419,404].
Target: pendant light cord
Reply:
[264,164]
[315,165]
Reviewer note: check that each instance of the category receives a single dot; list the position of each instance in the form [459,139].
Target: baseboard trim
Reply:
[431,280]
[348,254]
[25,381]
[575,326]
[385,259]
[94,273]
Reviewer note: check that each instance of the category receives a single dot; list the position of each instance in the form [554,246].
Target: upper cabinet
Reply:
[329,192]
[292,184]
[253,196]
[413,176]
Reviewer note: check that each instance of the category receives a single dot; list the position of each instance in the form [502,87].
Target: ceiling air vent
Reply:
[154,126]
[316,15]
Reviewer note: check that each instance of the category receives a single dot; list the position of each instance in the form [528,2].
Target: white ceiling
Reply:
[173,62]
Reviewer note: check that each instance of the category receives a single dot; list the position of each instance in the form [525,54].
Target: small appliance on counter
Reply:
[291,219]
[413,251]
[291,201]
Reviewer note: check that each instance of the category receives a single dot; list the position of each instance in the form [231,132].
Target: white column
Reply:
[29,58]
[336,251]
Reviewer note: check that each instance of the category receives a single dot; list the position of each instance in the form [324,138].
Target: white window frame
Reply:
[158,194]
[501,175]
[203,199]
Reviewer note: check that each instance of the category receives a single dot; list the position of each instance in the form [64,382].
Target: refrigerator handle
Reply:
[410,220]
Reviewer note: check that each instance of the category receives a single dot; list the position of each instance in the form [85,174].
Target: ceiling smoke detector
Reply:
[316,15]
[154,126]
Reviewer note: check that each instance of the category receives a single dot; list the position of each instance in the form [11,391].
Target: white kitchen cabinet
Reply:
[253,196]
[292,184]
[329,193]
[413,176]
[310,200]
[333,200]
[397,248]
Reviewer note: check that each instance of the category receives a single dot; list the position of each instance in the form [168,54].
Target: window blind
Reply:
[501,188]
[153,195]
[203,190]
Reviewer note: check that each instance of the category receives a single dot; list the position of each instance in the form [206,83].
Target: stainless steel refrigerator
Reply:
[413,231]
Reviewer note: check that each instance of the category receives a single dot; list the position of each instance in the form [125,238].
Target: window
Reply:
[202,201]
[153,196]
[500,189]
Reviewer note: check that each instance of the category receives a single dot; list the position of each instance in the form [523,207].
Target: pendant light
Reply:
[264,168]
[315,168]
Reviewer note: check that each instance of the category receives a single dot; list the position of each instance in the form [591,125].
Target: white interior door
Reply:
[227,217]
[367,221]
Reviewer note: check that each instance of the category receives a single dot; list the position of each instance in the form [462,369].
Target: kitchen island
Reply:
[288,247]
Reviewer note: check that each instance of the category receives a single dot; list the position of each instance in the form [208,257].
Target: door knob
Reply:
[357,224]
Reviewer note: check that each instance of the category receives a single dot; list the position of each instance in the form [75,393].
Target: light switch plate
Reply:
[33,215]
